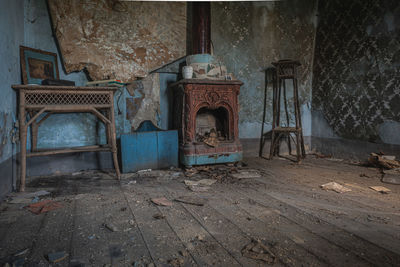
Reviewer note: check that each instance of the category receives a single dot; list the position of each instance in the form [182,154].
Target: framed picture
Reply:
[37,65]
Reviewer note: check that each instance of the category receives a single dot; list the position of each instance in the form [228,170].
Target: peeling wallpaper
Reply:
[357,68]
[118,39]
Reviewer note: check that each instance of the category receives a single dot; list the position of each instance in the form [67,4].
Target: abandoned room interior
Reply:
[232,133]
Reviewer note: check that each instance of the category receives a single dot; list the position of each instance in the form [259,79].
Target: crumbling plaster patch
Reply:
[149,108]
[118,39]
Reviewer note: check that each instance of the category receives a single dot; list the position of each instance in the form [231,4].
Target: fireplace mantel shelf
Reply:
[207,81]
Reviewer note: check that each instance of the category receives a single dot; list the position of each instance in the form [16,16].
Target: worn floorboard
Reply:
[105,222]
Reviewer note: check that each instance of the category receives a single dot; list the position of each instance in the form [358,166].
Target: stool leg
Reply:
[298,117]
[287,117]
[278,103]
[298,141]
[271,149]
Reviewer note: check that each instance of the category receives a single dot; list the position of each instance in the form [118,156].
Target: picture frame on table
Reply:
[37,65]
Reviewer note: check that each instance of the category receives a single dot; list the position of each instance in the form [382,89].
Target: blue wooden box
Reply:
[149,148]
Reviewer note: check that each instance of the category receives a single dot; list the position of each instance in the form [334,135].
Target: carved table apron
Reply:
[38,99]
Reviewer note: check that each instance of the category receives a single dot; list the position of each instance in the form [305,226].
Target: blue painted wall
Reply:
[11,36]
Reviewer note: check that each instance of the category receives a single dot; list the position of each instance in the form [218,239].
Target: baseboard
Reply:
[351,149]
[7,177]
[251,147]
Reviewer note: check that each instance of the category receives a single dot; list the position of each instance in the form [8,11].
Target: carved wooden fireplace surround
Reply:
[191,95]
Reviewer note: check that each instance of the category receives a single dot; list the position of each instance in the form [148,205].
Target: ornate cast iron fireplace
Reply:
[206,115]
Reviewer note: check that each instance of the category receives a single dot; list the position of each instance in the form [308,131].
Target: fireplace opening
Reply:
[212,126]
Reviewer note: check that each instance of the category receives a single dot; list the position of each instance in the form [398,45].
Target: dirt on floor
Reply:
[254,213]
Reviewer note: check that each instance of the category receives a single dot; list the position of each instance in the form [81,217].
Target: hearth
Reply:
[206,115]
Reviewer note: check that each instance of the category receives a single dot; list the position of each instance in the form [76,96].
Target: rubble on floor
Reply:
[383,161]
[57,256]
[211,138]
[389,166]
[338,188]
[391,176]
[162,201]
[44,206]
[222,173]
[258,251]
[26,197]
[380,189]
[191,200]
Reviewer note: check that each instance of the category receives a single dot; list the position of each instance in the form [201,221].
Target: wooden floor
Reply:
[301,224]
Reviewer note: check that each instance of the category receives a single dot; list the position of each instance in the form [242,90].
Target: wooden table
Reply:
[36,100]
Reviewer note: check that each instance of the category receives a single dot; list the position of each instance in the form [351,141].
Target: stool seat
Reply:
[287,129]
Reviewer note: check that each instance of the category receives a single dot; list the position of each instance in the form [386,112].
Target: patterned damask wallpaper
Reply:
[356,81]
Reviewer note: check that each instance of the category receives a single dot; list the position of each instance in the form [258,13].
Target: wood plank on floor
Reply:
[163,244]
[207,251]
[282,228]
[342,238]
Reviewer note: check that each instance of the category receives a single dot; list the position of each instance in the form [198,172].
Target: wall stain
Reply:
[3,132]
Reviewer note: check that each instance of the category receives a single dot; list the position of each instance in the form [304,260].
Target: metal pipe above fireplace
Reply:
[201,28]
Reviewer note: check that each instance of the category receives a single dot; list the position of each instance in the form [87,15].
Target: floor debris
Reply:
[246,175]
[191,200]
[146,170]
[391,176]
[57,256]
[158,216]
[44,206]
[26,198]
[380,189]
[258,251]
[162,201]
[201,185]
[202,182]
[183,253]
[198,188]
[335,187]
[112,227]
[21,252]
[391,179]
[177,262]
[382,161]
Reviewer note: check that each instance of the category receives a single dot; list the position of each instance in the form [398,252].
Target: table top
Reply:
[66,88]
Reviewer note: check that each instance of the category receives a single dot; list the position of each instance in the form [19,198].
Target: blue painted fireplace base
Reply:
[203,159]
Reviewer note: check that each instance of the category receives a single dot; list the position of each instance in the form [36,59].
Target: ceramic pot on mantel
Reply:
[187,72]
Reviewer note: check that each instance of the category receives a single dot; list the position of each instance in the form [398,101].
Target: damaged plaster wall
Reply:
[118,39]
[12,35]
[356,86]
[248,36]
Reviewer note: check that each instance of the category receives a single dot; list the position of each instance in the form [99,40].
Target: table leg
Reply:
[23,136]
[114,139]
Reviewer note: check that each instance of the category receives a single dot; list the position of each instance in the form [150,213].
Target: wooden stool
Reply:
[286,70]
